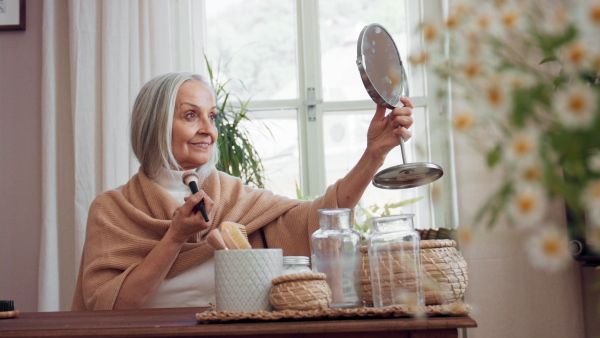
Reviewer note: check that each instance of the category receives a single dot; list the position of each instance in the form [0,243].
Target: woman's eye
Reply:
[190,115]
[213,117]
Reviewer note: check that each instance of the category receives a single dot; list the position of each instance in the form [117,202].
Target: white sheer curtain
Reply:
[96,56]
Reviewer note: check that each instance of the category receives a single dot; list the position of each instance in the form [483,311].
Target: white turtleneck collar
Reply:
[171,181]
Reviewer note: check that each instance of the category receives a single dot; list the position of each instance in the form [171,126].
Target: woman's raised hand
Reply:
[384,130]
[187,220]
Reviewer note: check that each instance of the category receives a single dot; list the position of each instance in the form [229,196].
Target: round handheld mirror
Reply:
[385,79]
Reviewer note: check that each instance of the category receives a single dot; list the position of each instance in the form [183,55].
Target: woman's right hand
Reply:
[188,220]
[143,281]
[385,130]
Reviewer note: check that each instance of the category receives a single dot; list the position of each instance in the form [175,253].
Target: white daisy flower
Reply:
[557,21]
[528,205]
[575,106]
[472,46]
[411,301]
[453,20]
[576,55]
[529,171]
[463,119]
[495,93]
[592,216]
[472,69]
[593,237]
[437,191]
[593,162]
[591,195]
[419,58]
[595,62]
[430,32]
[549,249]
[457,13]
[511,17]
[520,80]
[484,20]
[522,146]
[593,13]
[464,235]
[461,7]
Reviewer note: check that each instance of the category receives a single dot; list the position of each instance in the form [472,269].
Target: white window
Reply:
[288,55]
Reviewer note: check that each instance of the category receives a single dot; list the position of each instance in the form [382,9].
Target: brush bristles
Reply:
[215,239]
[231,232]
[7,305]
[239,238]
[189,176]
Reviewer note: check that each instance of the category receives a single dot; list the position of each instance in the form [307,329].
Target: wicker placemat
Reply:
[453,309]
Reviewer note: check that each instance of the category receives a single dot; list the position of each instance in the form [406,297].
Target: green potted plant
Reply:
[237,155]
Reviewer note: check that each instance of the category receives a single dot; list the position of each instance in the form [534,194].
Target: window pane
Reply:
[344,142]
[340,23]
[255,42]
[275,135]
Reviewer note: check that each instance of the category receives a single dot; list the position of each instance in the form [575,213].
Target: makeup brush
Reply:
[215,239]
[190,178]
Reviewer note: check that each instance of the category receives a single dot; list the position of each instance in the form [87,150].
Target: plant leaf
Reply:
[493,156]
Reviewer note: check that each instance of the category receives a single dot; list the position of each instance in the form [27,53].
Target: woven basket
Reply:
[445,273]
[301,291]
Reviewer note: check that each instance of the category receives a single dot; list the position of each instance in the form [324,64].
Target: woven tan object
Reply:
[445,273]
[454,309]
[302,291]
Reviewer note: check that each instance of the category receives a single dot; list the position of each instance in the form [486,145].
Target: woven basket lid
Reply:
[298,277]
[425,244]
[437,243]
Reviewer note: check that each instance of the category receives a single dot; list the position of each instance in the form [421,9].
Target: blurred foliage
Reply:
[237,155]
[524,68]
[362,214]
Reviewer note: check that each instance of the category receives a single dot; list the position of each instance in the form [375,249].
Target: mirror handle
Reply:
[402,148]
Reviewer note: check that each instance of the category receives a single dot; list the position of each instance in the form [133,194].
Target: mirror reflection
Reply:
[381,67]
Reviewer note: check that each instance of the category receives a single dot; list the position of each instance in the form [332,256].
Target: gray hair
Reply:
[152,124]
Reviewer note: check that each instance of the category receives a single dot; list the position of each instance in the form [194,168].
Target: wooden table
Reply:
[182,322]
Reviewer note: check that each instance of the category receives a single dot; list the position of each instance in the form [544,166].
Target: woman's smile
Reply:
[202,145]
[194,131]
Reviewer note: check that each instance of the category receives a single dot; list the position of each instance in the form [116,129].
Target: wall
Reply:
[21,160]
[510,298]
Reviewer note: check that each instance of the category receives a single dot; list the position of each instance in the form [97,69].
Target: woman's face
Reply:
[194,131]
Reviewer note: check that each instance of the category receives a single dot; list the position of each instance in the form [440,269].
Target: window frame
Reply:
[311,109]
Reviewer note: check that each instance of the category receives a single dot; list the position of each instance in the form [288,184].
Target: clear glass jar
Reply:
[295,264]
[395,262]
[335,252]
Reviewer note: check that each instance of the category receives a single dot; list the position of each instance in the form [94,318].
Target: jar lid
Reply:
[301,260]
[335,219]
[312,276]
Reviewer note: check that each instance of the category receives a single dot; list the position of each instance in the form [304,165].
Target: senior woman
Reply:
[144,245]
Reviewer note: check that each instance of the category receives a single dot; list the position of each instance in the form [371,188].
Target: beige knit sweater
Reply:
[125,224]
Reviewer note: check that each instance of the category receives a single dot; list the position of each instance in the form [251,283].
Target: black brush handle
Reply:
[194,187]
